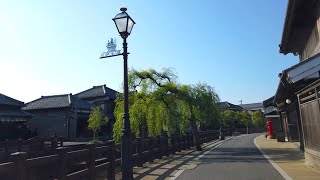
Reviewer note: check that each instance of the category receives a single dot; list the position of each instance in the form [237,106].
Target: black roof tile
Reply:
[226,105]
[19,113]
[5,100]
[252,106]
[98,91]
[57,101]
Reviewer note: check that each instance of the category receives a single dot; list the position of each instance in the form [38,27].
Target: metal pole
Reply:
[126,162]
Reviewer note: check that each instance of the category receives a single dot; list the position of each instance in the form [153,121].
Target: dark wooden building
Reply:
[253,107]
[271,114]
[229,106]
[296,102]
[12,119]
[103,97]
[59,115]
[309,102]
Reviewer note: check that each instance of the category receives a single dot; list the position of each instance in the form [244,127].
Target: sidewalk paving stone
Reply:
[288,157]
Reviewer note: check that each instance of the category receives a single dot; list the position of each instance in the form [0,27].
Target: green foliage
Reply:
[96,120]
[157,104]
[245,118]
[228,117]
[258,119]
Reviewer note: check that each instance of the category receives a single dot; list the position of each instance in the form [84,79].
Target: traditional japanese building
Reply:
[271,114]
[297,94]
[59,115]
[253,107]
[103,97]
[229,106]
[12,119]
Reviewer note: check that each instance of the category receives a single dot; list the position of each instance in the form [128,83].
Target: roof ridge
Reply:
[228,103]
[111,89]
[69,98]
[88,89]
[104,89]
[12,99]
[56,95]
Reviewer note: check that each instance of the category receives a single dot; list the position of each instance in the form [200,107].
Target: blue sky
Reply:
[53,47]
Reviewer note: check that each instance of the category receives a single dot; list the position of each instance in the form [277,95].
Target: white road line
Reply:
[200,156]
[177,174]
[275,165]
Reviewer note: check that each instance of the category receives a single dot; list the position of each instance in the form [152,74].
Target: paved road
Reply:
[237,159]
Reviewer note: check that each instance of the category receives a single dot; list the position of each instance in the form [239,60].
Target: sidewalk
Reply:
[172,166]
[288,157]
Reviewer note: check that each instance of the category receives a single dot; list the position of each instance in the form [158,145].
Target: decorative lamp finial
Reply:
[123,9]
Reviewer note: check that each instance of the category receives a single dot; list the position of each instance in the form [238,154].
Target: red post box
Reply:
[269,127]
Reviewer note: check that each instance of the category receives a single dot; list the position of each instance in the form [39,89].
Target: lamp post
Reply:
[124,24]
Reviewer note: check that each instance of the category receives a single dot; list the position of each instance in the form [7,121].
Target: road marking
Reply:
[215,145]
[177,174]
[275,165]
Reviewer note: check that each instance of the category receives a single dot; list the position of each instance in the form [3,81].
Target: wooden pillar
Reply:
[188,140]
[62,151]
[173,144]
[53,143]
[19,145]
[160,152]
[166,144]
[19,159]
[91,162]
[178,143]
[112,158]
[191,140]
[150,156]
[139,151]
[6,150]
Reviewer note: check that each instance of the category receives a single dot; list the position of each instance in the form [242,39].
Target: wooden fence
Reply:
[309,103]
[34,147]
[90,160]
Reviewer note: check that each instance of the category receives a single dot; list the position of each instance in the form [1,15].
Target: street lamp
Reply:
[124,24]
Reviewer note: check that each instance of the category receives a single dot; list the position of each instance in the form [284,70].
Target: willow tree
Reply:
[258,119]
[228,117]
[245,119]
[148,105]
[158,103]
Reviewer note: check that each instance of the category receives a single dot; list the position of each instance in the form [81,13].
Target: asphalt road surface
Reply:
[237,159]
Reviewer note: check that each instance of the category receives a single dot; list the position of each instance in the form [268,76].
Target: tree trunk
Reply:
[195,132]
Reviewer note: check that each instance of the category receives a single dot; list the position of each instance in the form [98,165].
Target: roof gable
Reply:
[252,106]
[97,91]
[229,106]
[268,102]
[6,100]
[301,17]
[57,101]
[308,68]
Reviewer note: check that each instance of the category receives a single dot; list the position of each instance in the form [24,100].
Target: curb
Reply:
[275,165]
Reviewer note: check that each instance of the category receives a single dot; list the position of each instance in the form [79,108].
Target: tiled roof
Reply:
[57,101]
[226,105]
[268,102]
[5,100]
[98,91]
[79,103]
[18,113]
[252,106]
